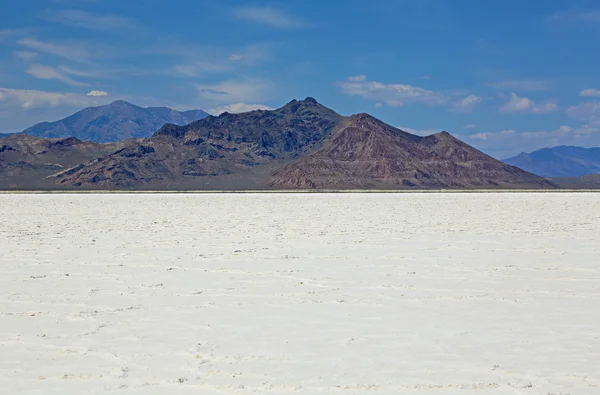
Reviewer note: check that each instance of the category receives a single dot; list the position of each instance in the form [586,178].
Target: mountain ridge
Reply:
[368,153]
[117,121]
[302,144]
[559,161]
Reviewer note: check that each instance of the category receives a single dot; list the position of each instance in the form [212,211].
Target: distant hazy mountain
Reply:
[117,121]
[562,161]
[589,181]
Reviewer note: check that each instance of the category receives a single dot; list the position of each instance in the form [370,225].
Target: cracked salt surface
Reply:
[295,293]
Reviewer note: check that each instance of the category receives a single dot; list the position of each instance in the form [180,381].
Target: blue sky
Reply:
[505,76]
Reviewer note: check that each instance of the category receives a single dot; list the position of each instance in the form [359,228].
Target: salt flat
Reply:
[296,293]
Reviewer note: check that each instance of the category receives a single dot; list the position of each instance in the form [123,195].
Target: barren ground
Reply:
[300,293]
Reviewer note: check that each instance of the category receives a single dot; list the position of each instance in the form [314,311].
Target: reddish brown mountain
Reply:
[367,153]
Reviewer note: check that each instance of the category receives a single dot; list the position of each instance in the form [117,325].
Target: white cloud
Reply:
[80,73]
[490,135]
[590,92]
[215,61]
[393,95]
[252,54]
[508,143]
[199,68]
[470,126]
[233,92]
[590,16]
[12,99]
[194,61]
[88,20]
[588,111]
[523,85]
[50,73]
[26,55]
[524,105]
[467,104]
[357,78]
[397,95]
[237,108]
[267,16]
[9,33]
[78,52]
[96,93]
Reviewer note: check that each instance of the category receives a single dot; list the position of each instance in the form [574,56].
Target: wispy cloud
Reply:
[589,16]
[522,85]
[267,16]
[97,93]
[588,111]
[32,99]
[88,20]
[197,61]
[11,33]
[506,143]
[228,92]
[237,108]
[26,55]
[467,104]
[79,73]
[590,92]
[44,72]
[524,105]
[393,95]
[75,51]
[397,95]
[199,68]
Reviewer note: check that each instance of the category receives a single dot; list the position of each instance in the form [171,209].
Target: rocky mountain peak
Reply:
[121,103]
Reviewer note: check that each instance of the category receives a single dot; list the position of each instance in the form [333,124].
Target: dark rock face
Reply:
[300,145]
[280,133]
[219,146]
[114,122]
[562,161]
[135,152]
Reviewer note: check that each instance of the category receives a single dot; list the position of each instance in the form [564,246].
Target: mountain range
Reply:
[588,181]
[300,145]
[561,161]
[113,122]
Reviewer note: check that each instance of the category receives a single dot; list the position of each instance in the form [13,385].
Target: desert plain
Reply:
[478,293]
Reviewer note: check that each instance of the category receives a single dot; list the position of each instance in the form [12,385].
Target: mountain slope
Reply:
[117,121]
[26,161]
[367,153]
[301,145]
[561,161]
[230,150]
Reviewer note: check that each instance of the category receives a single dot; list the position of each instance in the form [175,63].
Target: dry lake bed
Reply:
[486,293]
